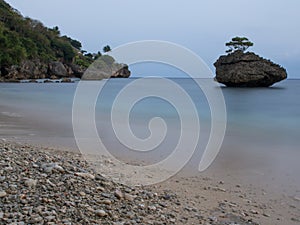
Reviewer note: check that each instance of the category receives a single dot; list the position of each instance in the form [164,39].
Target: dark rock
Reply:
[66,80]
[240,69]
[33,69]
[53,77]
[78,71]
[124,72]
[58,69]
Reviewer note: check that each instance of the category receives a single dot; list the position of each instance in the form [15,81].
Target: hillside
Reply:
[29,50]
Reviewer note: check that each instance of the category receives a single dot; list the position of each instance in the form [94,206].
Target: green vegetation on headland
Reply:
[29,50]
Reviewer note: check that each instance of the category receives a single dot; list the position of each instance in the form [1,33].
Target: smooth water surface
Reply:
[262,137]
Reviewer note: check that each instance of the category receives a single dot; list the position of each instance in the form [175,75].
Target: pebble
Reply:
[128,197]
[69,193]
[101,213]
[253,211]
[85,175]
[119,194]
[107,202]
[152,207]
[51,167]
[30,183]
[82,193]
[297,198]
[2,194]
[218,189]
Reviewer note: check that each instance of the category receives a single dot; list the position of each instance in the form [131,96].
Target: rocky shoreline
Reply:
[50,187]
[43,185]
[53,72]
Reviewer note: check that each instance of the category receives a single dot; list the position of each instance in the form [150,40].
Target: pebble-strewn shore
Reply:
[45,186]
[40,187]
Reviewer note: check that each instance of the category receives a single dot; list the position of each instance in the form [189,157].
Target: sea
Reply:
[261,143]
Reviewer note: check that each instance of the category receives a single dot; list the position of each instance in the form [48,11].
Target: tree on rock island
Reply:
[238,44]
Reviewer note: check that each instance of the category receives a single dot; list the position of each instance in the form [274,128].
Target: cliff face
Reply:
[33,70]
[240,69]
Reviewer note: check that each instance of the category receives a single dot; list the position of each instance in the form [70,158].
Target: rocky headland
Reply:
[31,51]
[240,69]
[53,71]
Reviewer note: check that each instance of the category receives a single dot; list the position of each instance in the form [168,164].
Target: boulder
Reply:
[58,69]
[101,70]
[66,80]
[124,72]
[240,69]
[77,70]
[33,69]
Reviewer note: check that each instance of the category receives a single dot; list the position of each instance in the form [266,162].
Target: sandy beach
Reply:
[46,185]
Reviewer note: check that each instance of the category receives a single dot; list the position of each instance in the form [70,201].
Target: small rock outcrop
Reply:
[57,69]
[100,70]
[124,72]
[240,69]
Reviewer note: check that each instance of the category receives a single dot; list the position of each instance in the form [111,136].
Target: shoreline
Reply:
[202,199]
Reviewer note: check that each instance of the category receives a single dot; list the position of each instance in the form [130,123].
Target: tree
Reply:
[97,55]
[238,44]
[55,30]
[106,48]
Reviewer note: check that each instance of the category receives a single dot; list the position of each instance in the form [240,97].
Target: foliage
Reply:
[76,44]
[24,38]
[97,55]
[238,44]
[106,48]
[82,61]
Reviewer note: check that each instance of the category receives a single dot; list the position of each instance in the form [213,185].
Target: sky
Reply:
[201,26]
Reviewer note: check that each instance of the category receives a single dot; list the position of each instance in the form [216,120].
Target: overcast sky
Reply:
[202,26]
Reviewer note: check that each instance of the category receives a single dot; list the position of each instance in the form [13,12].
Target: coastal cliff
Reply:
[31,51]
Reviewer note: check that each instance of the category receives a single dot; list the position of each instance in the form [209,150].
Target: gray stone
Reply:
[58,69]
[30,183]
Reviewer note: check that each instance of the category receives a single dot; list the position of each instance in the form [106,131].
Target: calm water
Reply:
[262,136]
